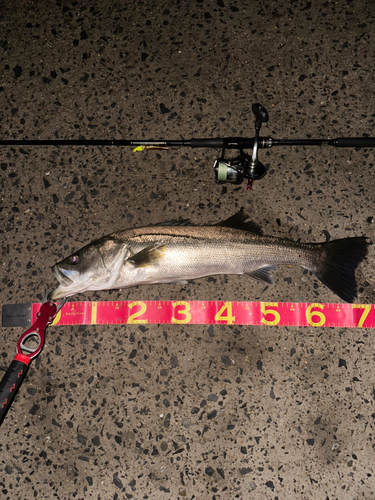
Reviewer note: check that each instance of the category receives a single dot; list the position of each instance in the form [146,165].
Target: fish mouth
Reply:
[61,276]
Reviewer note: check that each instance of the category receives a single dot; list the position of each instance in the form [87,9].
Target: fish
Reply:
[178,251]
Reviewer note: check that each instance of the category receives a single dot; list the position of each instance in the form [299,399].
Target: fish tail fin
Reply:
[337,263]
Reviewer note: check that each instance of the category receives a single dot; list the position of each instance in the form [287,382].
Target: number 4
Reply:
[229,318]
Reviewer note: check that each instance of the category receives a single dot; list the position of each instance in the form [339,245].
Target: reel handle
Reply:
[261,115]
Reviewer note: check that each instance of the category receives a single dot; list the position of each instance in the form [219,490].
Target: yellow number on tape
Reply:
[366,309]
[310,314]
[184,312]
[132,318]
[275,314]
[229,318]
[57,318]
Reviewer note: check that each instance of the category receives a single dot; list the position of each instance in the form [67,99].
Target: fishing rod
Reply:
[232,170]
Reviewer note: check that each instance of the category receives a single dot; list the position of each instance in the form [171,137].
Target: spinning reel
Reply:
[244,166]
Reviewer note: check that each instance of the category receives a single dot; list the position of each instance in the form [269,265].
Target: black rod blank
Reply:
[216,143]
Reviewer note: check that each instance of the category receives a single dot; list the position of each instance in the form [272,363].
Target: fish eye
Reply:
[74,259]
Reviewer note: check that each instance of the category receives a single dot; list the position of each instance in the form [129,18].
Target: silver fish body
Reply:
[177,253]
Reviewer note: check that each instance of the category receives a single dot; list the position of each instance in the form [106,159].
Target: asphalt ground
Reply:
[158,411]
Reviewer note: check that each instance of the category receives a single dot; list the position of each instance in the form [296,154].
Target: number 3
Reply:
[184,312]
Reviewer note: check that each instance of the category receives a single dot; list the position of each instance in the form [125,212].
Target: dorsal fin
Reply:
[236,221]
[239,221]
[175,222]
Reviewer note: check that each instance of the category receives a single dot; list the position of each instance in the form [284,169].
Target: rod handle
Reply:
[11,382]
[355,142]
[207,143]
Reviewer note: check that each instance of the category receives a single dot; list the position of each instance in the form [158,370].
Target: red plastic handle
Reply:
[17,370]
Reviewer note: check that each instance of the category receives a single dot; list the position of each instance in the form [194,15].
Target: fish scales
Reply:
[223,252]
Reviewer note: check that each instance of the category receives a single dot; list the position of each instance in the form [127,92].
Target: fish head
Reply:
[93,267]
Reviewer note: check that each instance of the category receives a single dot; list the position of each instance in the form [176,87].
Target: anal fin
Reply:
[263,275]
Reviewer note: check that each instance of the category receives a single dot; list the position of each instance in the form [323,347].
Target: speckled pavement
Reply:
[179,411]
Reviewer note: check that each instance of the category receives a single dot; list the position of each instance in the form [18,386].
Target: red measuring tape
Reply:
[215,312]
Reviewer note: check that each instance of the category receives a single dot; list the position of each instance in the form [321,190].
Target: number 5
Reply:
[275,314]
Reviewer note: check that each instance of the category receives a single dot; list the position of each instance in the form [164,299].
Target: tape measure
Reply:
[184,312]
[215,312]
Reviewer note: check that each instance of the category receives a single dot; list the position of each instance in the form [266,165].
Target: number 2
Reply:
[132,318]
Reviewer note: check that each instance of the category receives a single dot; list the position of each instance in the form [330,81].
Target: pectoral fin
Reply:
[264,274]
[148,255]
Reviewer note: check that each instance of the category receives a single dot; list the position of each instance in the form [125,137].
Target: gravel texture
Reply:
[179,411]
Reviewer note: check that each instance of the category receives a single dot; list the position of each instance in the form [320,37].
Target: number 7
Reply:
[366,309]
